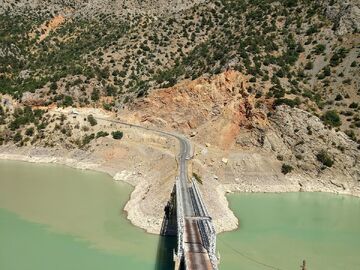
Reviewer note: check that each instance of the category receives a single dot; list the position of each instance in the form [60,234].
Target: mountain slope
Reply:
[110,53]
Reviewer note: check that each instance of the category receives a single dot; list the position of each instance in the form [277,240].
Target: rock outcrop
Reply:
[220,112]
[216,108]
[345,14]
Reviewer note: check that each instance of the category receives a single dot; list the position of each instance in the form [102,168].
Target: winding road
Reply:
[196,257]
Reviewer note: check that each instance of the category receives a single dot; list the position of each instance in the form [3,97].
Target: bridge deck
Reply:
[196,256]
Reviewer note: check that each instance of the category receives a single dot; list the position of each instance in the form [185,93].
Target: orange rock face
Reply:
[216,109]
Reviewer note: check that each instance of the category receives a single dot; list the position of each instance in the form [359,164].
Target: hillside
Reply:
[116,54]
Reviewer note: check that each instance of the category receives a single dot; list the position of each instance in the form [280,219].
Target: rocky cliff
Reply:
[221,113]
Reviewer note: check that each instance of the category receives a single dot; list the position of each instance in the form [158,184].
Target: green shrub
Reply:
[67,101]
[18,137]
[285,168]
[338,97]
[101,134]
[107,106]
[331,118]
[290,102]
[309,65]
[29,131]
[325,158]
[87,139]
[92,120]
[95,95]
[117,135]
[319,49]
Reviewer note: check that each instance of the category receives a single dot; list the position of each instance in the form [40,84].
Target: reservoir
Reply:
[55,217]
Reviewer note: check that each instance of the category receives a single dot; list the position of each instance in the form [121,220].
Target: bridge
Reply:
[196,236]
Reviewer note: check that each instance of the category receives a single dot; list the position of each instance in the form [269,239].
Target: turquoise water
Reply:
[55,217]
[278,231]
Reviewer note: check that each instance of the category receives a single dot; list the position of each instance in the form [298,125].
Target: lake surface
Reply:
[55,217]
[278,231]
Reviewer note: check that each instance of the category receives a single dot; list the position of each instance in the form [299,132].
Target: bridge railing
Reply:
[206,227]
[180,220]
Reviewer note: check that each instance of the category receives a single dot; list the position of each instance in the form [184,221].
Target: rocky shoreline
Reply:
[224,220]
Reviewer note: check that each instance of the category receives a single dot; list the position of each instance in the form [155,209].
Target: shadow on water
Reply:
[167,240]
[164,257]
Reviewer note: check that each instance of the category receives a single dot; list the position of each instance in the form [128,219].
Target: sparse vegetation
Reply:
[331,118]
[92,120]
[325,158]
[117,135]
[102,134]
[286,168]
[112,60]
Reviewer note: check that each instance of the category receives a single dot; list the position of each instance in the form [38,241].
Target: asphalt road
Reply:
[184,156]
[196,256]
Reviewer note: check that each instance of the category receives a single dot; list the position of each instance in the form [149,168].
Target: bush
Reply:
[290,102]
[92,120]
[285,168]
[87,139]
[324,158]
[117,135]
[101,134]
[18,137]
[95,95]
[331,118]
[319,49]
[338,97]
[309,65]
[67,101]
[29,131]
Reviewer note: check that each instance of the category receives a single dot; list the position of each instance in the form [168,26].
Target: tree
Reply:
[92,120]
[95,95]
[68,101]
[117,135]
